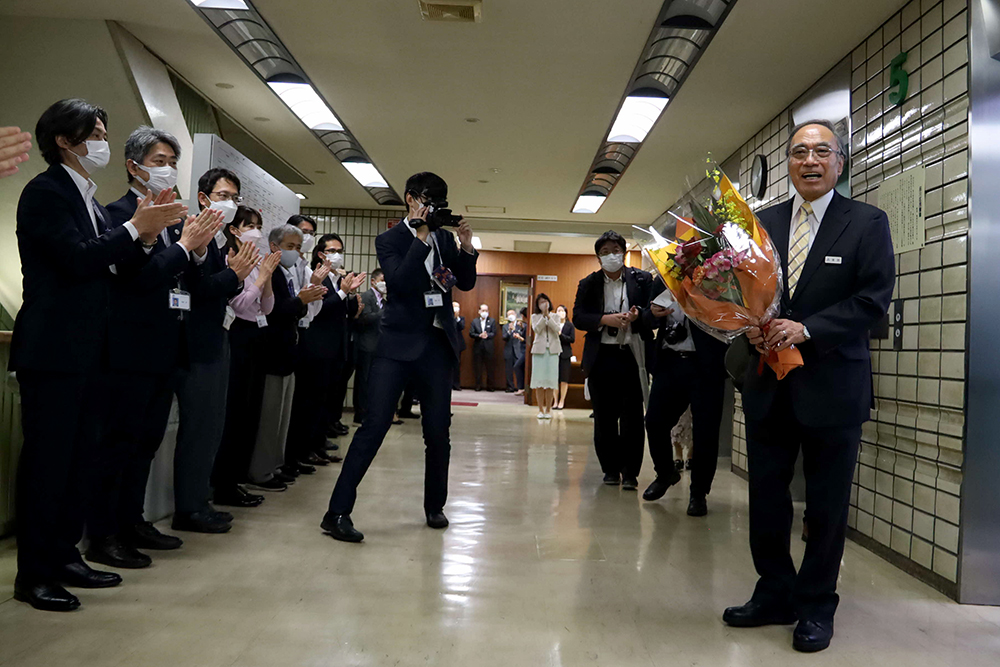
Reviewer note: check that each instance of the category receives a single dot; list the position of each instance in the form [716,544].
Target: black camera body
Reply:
[675,333]
[439,215]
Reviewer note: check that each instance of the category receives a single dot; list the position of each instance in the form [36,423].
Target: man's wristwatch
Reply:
[805,332]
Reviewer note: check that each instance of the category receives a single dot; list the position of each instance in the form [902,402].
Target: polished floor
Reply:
[542,566]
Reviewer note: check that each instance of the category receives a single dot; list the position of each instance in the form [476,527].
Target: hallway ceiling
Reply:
[542,78]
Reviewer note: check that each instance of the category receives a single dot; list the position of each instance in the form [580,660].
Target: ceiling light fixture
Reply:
[307,105]
[300,195]
[220,4]
[366,174]
[636,118]
[589,203]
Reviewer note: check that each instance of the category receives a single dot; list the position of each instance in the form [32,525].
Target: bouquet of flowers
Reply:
[721,268]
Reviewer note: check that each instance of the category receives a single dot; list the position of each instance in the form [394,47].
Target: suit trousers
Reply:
[482,359]
[275,415]
[829,456]
[616,394]
[457,378]
[139,408]
[509,361]
[62,415]
[339,390]
[432,375]
[243,401]
[678,383]
[314,384]
[519,371]
[202,390]
[361,390]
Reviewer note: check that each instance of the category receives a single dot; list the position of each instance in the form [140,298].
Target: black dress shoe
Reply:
[612,479]
[268,485]
[659,486]
[629,483]
[812,636]
[237,497]
[289,471]
[437,520]
[697,505]
[754,615]
[341,428]
[44,595]
[112,551]
[145,536]
[220,515]
[81,575]
[329,458]
[315,460]
[332,447]
[287,480]
[340,527]
[200,522]
[306,469]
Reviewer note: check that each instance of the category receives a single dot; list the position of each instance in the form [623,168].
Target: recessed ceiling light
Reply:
[636,118]
[477,243]
[262,119]
[307,105]
[471,120]
[225,86]
[220,4]
[589,203]
[320,171]
[495,170]
[300,195]
[366,174]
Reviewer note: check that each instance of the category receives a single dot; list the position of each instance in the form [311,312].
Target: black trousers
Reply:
[315,384]
[339,396]
[62,416]
[679,382]
[519,371]
[409,394]
[457,384]
[482,359]
[432,374]
[139,408]
[509,362]
[829,457]
[361,386]
[616,394]
[243,400]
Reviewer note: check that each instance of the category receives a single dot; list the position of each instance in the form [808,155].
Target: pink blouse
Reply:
[249,303]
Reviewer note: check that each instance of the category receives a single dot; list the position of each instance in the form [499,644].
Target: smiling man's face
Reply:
[813,176]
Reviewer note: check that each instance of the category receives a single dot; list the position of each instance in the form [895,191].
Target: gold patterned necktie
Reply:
[799,248]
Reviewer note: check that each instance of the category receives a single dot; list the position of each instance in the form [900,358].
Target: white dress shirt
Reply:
[815,218]
[429,262]
[615,301]
[88,189]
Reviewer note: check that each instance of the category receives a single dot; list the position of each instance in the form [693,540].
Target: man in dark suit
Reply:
[838,258]
[368,323]
[460,327]
[61,343]
[688,369]
[608,307]
[510,328]
[419,343]
[482,330]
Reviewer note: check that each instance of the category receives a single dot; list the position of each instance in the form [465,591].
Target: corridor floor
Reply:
[542,565]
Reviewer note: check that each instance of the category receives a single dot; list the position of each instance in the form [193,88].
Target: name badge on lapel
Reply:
[433,299]
[180,300]
[833,259]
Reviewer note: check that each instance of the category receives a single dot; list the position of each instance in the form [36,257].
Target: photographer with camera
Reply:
[688,369]
[418,343]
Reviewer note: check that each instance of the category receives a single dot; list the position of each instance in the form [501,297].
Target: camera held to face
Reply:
[439,215]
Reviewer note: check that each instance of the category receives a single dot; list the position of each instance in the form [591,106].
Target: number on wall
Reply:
[898,79]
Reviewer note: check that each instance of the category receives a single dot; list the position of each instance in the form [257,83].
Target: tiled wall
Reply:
[905,500]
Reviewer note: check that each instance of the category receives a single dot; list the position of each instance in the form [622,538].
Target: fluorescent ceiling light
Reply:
[636,119]
[300,195]
[220,4]
[589,203]
[307,105]
[366,174]
[477,243]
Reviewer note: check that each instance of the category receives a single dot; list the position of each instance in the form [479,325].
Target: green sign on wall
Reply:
[898,80]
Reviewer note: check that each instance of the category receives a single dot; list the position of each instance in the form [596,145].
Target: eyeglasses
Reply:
[225,196]
[801,153]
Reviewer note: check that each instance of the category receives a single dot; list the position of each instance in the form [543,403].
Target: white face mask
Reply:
[228,209]
[380,287]
[562,315]
[336,260]
[220,239]
[511,318]
[308,243]
[160,179]
[97,157]
[612,262]
[484,314]
[289,258]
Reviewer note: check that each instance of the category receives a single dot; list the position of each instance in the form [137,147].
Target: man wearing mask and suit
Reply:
[368,323]
[60,345]
[482,331]
[838,258]
[608,307]
[510,328]
[419,342]
[460,327]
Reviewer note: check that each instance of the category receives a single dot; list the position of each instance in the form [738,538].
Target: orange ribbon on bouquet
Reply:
[783,362]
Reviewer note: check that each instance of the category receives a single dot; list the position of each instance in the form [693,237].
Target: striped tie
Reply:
[799,249]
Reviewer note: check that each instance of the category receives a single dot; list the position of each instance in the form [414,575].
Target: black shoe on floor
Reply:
[341,428]
[313,459]
[237,497]
[629,483]
[437,520]
[329,458]
[306,469]
[287,480]
[754,615]
[220,515]
[44,595]
[332,447]
[812,636]
[697,506]
[289,471]
[200,522]
[479,388]
[340,527]
[112,551]
[145,536]
[269,485]
[659,486]
[612,479]
[81,575]
[678,465]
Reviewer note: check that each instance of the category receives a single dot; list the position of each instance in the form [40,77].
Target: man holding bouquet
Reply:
[839,269]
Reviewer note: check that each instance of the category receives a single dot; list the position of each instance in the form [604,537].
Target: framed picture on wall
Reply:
[514,296]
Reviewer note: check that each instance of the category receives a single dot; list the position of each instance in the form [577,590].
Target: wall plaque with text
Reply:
[903,199]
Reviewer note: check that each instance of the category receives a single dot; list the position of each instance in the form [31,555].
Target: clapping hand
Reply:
[14,147]
[155,213]
[351,282]
[269,264]
[320,273]
[200,229]
[311,293]
[242,262]
[465,236]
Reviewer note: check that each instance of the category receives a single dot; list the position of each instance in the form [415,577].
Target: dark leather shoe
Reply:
[306,469]
[332,447]
[268,485]
[697,505]
[287,480]
[200,522]
[237,497]
[145,536]
[81,575]
[314,460]
[612,479]
[437,520]
[341,428]
[220,515]
[44,595]
[659,486]
[629,483]
[812,636]
[112,551]
[754,615]
[340,527]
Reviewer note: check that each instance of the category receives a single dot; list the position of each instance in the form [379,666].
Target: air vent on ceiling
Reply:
[459,11]
[485,209]
[532,246]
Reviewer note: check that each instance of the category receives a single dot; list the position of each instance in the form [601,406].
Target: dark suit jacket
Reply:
[145,333]
[460,327]
[838,303]
[709,352]
[327,335]
[62,325]
[476,328]
[588,309]
[407,326]
[510,343]
[567,336]
[368,323]
[281,334]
